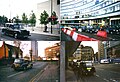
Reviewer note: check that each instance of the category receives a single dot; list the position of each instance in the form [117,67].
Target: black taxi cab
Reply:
[15,30]
[21,64]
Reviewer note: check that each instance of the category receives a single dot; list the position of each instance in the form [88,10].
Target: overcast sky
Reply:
[93,44]
[26,46]
[18,7]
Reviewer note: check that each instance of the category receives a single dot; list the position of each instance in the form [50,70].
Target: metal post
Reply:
[4,49]
[105,49]
[30,51]
[51,15]
[10,8]
[51,27]
[62,62]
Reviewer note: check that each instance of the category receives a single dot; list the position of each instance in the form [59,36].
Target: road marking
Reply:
[106,80]
[113,80]
[14,74]
[34,78]
[97,76]
[100,69]
[117,63]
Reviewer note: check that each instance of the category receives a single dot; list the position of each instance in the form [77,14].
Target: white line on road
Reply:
[113,80]
[106,80]
[97,76]
[14,74]
[34,78]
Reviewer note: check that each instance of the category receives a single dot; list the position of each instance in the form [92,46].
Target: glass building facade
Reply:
[90,11]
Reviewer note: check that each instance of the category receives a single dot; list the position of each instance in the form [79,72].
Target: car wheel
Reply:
[16,35]
[3,33]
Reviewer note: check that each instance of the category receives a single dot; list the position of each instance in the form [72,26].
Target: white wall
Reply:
[47,7]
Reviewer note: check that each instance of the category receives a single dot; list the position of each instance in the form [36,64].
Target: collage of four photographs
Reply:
[60,41]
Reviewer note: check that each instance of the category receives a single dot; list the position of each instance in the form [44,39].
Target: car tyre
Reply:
[3,33]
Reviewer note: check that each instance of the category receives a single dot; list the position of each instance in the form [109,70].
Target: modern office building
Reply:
[101,12]
[113,49]
[49,6]
[34,47]
[108,49]
[101,50]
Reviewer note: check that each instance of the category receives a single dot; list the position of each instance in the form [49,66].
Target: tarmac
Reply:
[50,74]
[70,75]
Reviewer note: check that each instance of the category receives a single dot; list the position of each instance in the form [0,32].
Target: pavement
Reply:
[49,74]
[70,75]
[40,30]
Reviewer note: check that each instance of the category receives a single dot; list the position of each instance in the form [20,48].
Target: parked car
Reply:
[117,29]
[104,61]
[90,29]
[21,64]
[75,27]
[116,60]
[111,29]
[83,28]
[97,28]
[15,30]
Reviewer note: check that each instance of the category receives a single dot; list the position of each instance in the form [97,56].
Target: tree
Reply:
[17,44]
[3,20]
[32,19]
[16,19]
[24,19]
[44,19]
[53,18]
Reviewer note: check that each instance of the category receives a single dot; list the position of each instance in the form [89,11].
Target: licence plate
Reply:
[89,68]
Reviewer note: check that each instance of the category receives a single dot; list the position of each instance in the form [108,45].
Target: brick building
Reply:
[52,52]
[9,52]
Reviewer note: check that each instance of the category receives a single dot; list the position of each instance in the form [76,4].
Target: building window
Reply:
[117,7]
[58,2]
[111,9]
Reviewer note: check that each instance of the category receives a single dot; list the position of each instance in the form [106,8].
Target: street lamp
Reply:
[30,51]
[4,49]
[10,8]
[51,15]
[105,49]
